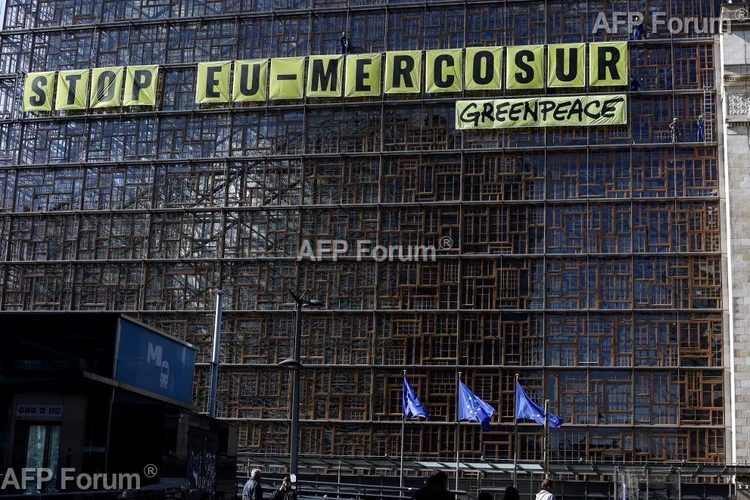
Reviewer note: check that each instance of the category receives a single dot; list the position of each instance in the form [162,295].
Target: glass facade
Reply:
[585,260]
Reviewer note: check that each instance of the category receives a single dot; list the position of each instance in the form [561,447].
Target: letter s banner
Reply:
[37,91]
[524,67]
[567,111]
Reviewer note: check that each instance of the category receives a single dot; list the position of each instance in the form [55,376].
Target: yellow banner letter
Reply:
[444,73]
[287,78]
[72,88]
[213,82]
[37,91]
[363,75]
[609,64]
[250,79]
[484,68]
[566,65]
[525,67]
[324,76]
[106,87]
[140,85]
[403,72]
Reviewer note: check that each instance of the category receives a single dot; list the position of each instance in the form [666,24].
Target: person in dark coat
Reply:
[253,490]
[285,492]
[344,43]
[436,488]
[511,494]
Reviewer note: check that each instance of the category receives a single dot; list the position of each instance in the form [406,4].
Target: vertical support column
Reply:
[294,437]
[215,359]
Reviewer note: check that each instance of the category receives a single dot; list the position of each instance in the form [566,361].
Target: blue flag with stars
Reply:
[412,406]
[526,408]
[471,407]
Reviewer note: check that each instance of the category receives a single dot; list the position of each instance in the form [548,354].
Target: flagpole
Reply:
[403,424]
[546,437]
[458,426]
[515,436]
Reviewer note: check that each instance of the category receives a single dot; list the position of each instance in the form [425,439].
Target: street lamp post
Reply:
[296,365]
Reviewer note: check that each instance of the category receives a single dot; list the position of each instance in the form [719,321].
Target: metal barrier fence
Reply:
[343,491]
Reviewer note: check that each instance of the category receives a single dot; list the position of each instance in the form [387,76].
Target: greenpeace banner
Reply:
[568,111]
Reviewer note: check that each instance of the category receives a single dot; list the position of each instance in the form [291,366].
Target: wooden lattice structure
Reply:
[588,261]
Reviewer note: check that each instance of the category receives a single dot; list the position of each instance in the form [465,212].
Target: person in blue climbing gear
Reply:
[344,42]
[674,128]
[700,129]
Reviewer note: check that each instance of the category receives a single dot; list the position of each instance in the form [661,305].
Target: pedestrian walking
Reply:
[436,488]
[253,489]
[511,493]
[546,492]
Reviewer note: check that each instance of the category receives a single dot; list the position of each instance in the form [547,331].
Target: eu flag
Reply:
[526,408]
[471,407]
[412,406]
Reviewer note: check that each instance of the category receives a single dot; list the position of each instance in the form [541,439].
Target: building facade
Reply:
[587,260]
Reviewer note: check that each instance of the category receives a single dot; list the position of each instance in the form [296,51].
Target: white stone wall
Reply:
[735,137]
[738,152]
